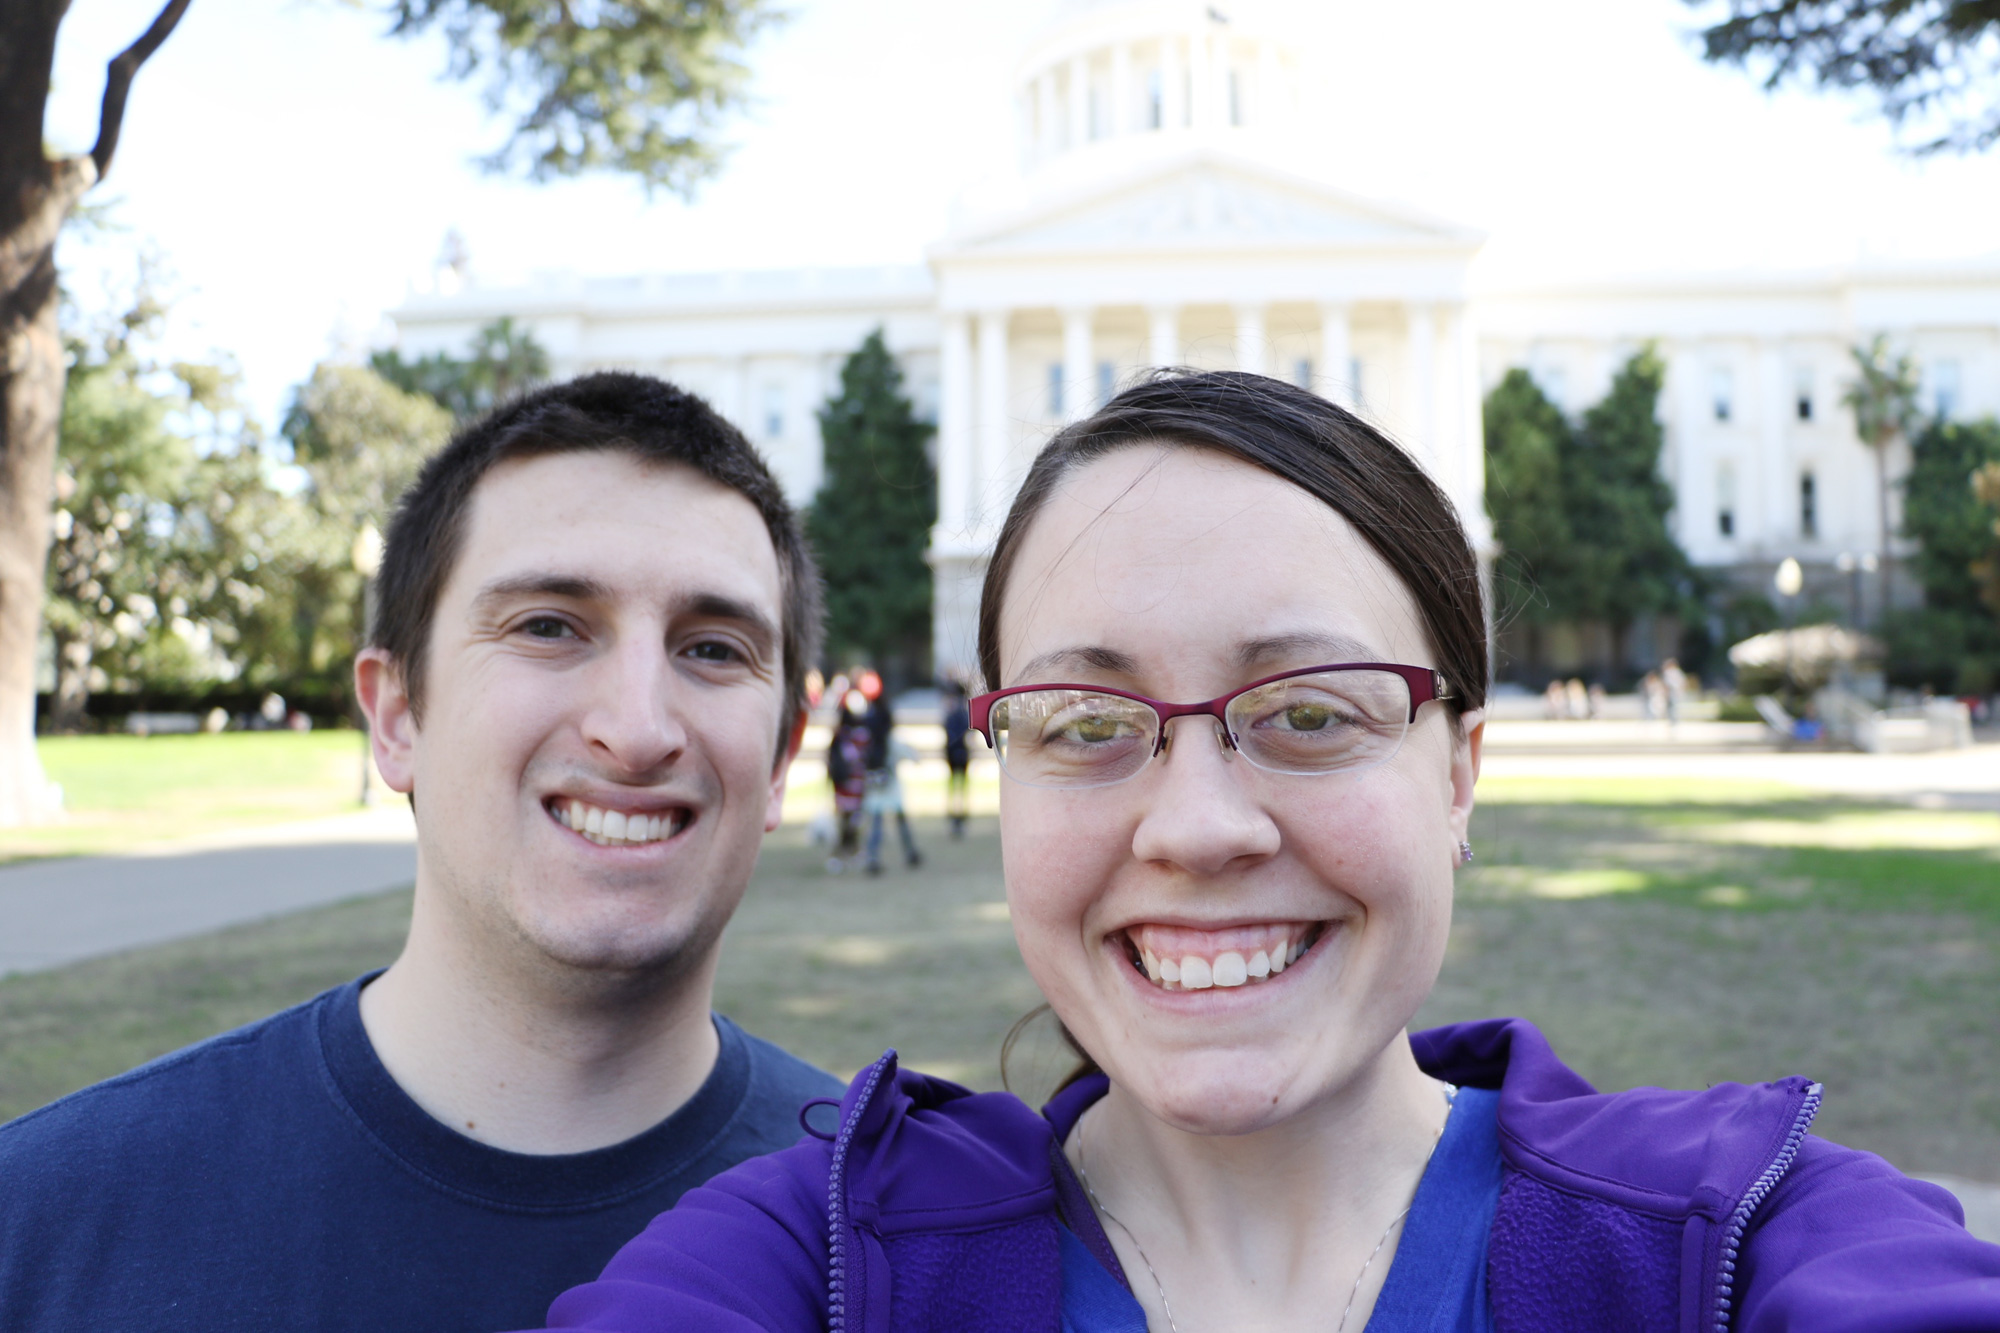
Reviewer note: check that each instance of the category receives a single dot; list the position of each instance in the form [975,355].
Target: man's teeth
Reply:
[616,828]
[1228,968]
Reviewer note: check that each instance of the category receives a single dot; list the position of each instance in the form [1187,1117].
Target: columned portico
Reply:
[957,448]
[1336,352]
[1252,343]
[1079,380]
[1163,336]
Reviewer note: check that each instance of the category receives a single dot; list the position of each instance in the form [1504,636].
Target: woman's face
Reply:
[1182,574]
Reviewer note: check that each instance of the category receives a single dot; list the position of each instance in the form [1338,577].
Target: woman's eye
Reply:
[1094,730]
[1308,717]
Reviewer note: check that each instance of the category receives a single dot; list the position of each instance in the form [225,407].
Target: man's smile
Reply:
[608,826]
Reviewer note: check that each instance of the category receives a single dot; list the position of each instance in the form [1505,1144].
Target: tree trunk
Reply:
[31,388]
[36,196]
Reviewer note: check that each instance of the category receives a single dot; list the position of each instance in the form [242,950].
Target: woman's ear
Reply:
[1465,769]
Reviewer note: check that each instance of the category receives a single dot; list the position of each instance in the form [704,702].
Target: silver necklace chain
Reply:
[1353,1294]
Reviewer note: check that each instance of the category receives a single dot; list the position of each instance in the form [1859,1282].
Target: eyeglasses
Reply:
[1323,719]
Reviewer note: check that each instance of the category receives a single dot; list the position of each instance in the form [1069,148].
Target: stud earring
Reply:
[1465,853]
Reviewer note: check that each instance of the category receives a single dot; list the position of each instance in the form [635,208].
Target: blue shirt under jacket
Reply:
[276,1177]
[1437,1283]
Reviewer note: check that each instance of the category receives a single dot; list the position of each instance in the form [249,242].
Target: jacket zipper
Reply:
[836,1204]
[1739,1221]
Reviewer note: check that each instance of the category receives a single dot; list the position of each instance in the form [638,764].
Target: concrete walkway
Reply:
[58,911]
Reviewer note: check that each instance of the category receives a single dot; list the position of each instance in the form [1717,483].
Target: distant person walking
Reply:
[884,797]
[957,758]
[847,769]
[1676,682]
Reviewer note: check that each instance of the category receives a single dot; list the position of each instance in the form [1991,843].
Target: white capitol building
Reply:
[1152,219]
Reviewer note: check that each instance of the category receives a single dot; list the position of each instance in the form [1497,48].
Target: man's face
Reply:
[602,705]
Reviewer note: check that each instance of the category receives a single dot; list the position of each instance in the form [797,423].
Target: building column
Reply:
[1471,424]
[1079,396]
[1045,114]
[1336,354]
[1201,82]
[991,457]
[1777,508]
[1121,117]
[1163,342]
[1421,413]
[956,447]
[1252,347]
[1079,101]
[1173,86]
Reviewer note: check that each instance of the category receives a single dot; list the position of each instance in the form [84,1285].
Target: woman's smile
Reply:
[1190,958]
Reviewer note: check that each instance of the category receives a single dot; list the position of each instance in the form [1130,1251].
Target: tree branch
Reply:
[118,81]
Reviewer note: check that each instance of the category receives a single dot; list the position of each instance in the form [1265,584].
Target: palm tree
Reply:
[1884,403]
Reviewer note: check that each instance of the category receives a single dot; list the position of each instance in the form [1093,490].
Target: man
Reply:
[587,670]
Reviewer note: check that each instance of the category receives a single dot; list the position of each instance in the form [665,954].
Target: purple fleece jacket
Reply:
[934,1208]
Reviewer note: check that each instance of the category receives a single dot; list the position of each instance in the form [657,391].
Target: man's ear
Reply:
[1465,769]
[392,728]
[774,813]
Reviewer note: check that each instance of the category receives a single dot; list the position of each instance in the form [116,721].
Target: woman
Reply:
[1235,901]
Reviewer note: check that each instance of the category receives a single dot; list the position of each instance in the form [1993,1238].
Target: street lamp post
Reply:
[367,556]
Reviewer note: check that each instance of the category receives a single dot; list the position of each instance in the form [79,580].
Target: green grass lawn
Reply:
[126,791]
[1660,934]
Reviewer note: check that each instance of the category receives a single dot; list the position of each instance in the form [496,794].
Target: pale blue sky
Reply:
[297,170]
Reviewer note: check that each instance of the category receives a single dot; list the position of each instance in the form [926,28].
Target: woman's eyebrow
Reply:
[1091,656]
[1305,643]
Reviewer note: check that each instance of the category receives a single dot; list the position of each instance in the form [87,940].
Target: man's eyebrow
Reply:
[1088,656]
[1323,648]
[572,587]
[746,615]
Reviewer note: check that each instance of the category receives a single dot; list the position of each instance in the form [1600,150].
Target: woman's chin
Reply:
[1219,1093]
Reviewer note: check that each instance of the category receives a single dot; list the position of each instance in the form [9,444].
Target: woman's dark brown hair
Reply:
[1324,450]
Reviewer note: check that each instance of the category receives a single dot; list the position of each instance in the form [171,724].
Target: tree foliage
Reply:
[502,361]
[1929,62]
[632,86]
[1580,510]
[871,521]
[1953,641]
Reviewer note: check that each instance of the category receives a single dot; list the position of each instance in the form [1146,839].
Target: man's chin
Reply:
[618,954]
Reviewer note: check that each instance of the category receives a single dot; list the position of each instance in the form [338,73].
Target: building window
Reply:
[1725,498]
[1722,393]
[1107,382]
[1808,506]
[1802,393]
[1944,389]
[1055,389]
[774,411]
[1154,101]
[1302,372]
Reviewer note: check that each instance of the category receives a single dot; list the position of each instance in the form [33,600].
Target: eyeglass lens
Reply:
[1320,723]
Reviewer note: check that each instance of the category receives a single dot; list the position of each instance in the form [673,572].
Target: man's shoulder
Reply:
[779,1085]
[191,1095]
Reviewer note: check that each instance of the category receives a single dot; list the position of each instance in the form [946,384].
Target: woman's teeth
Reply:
[616,828]
[1184,968]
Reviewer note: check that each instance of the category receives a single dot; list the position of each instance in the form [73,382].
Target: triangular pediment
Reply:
[1206,202]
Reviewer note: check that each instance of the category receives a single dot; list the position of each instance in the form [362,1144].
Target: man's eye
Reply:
[546,627]
[713,651]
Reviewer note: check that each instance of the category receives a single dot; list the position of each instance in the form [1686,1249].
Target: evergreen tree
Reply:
[1953,641]
[871,521]
[1619,502]
[1527,444]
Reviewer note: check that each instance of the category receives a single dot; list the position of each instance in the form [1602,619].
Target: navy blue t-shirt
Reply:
[276,1177]
[1437,1283]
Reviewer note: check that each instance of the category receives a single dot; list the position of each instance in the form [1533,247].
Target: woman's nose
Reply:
[1201,810]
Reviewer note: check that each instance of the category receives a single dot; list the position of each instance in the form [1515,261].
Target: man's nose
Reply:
[633,716]
[1201,810]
